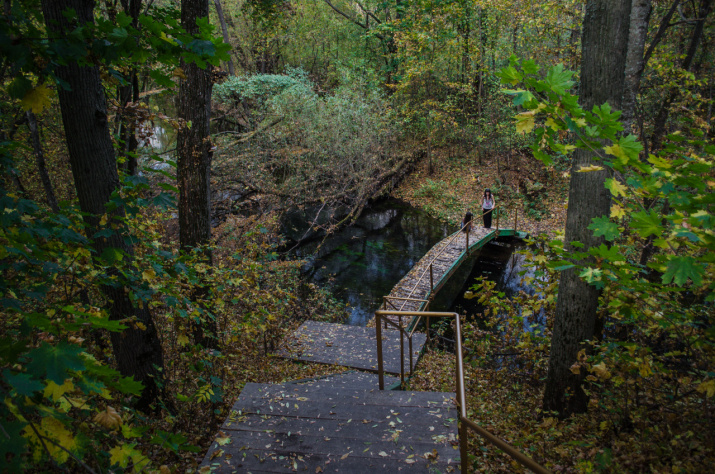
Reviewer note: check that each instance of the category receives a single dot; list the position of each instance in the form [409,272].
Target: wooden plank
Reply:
[356,431]
[349,346]
[350,379]
[316,393]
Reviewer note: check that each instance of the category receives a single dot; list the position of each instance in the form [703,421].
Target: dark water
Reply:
[498,261]
[363,262]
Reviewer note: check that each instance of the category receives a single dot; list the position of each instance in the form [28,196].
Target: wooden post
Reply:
[494,210]
[378,334]
[466,250]
[516,219]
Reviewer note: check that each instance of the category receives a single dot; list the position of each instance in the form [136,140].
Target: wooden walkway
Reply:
[343,423]
[349,346]
[318,427]
[414,291]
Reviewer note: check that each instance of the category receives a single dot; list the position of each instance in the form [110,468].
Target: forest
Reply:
[150,151]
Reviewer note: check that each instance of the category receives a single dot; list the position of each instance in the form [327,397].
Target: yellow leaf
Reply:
[54,430]
[525,122]
[148,274]
[36,99]
[616,151]
[108,418]
[54,391]
[551,124]
[122,455]
[183,339]
[178,72]
[580,122]
[587,169]
[601,371]
[576,369]
[617,211]
[707,388]
[167,39]
[644,370]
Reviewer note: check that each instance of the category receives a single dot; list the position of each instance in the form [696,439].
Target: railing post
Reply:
[402,354]
[378,334]
[410,347]
[466,249]
[516,219]
[431,279]
[495,210]
[463,433]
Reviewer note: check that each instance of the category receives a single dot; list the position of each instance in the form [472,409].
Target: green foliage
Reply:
[657,317]
[307,148]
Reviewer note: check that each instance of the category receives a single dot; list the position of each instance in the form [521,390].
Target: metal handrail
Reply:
[464,422]
[404,300]
[466,249]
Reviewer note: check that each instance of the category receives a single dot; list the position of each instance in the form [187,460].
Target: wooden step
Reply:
[289,427]
[350,379]
[349,346]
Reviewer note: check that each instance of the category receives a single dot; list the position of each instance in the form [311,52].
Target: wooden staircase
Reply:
[336,424]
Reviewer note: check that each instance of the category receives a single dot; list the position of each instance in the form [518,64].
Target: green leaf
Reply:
[681,268]
[558,80]
[646,224]
[509,75]
[19,87]
[24,384]
[111,255]
[603,226]
[12,443]
[530,67]
[55,362]
[591,275]
[10,349]
[541,156]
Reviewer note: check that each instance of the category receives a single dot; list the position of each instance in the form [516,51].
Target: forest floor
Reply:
[458,180]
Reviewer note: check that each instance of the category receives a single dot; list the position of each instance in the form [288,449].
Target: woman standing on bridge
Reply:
[487,206]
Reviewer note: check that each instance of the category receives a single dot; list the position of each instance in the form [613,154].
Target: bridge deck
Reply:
[419,284]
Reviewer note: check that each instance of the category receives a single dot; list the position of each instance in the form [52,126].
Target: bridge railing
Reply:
[430,267]
[465,423]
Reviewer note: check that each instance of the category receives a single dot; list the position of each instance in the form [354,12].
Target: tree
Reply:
[194,150]
[604,47]
[84,115]
[129,92]
[224,30]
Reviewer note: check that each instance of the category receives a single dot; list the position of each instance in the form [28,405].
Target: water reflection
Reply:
[363,262]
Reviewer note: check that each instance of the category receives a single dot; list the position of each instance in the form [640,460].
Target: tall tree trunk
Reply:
[604,47]
[661,118]
[640,17]
[194,163]
[84,116]
[129,92]
[40,161]
[224,29]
